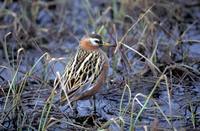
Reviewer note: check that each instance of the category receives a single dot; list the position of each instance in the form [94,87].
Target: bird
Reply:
[87,71]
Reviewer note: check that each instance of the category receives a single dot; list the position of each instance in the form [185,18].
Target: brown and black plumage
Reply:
[86,72]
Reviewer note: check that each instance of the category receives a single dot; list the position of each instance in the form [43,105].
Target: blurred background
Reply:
[156,62]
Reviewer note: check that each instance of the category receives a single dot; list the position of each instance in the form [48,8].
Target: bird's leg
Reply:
[74,108]
[94,104]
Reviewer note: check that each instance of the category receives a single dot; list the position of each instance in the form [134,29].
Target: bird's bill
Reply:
[107,44]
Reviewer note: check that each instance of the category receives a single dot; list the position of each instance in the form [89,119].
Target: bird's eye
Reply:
[97,41]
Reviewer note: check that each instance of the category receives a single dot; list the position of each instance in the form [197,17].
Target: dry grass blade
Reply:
[132,27]
[147,100]
[142,57]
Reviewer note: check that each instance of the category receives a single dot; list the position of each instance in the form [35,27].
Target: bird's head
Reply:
[92,42]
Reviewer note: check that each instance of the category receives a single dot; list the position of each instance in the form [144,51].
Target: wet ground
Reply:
[154,74]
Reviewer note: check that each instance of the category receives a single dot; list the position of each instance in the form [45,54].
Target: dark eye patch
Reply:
[97,41]
[98,37]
